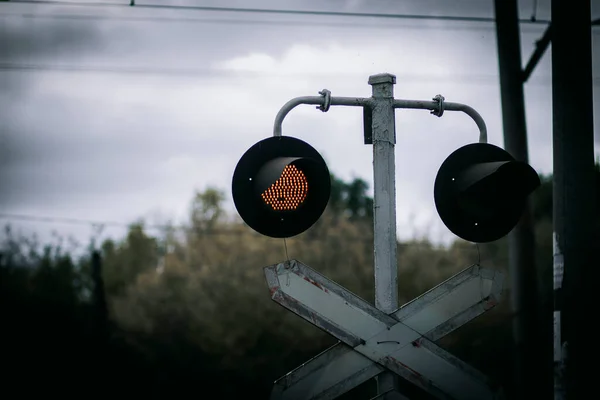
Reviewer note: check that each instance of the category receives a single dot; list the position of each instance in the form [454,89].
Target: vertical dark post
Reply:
[99,298]
[521,241]
[574,196]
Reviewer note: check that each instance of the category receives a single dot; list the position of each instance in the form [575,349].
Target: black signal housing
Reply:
[281,186]
[481,190]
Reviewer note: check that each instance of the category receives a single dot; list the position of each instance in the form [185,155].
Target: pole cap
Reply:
[382,78]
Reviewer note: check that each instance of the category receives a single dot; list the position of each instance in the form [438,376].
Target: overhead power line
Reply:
[11,66]
[209,72]
[71,221]
[278,11]
[248,21]
[143,70]
[113,224]
[165,227]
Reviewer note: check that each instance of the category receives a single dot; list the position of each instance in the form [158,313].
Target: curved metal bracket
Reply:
[325,100]
[474,115]
[438,106]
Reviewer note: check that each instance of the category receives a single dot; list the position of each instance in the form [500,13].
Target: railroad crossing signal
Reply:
[372,341]
[281,186]
[480,191]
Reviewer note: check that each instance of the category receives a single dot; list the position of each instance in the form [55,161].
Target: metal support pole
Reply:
[382,107]
[521,240]
[384,182]
[574,199]
[384,207]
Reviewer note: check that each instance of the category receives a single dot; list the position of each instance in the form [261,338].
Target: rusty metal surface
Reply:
[453,302]
[317,297]
[326,376]
[328,285]
[404,347]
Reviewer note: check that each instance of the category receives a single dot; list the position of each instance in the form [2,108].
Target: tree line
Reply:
[188,312]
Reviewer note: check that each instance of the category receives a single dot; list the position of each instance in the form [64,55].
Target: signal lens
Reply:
[288,192]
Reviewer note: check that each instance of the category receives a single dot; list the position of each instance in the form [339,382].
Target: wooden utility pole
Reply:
[521,241]
[99,297]
[574,198]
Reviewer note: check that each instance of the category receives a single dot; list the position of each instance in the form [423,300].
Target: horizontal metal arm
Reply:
[447,106]
[315,100]
[361,102]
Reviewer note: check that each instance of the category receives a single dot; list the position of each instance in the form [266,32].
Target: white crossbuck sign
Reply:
[373,342]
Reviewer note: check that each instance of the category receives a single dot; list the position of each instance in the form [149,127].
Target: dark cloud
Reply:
[26,42]
[59,149]
[23,39]
[54,148]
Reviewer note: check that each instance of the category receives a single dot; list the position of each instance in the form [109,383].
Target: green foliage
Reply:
[350,199]
[189,310]
[126,260]
[207,210]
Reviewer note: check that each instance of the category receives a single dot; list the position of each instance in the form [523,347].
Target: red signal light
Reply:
[289,191]
[281,186]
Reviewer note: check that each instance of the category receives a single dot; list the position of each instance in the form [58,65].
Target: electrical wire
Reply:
[71,221]
[274,11]
[164,227]
[471,79]
[375,25]
[114,224]
[534,11]
[208,72]
[287,256]
[12,66]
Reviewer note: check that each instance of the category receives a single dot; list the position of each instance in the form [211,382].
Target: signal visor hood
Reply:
[281,186]
[481,190]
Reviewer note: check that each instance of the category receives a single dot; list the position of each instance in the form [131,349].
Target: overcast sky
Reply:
[164,102]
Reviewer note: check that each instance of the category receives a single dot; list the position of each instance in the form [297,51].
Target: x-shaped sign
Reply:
[372,341]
